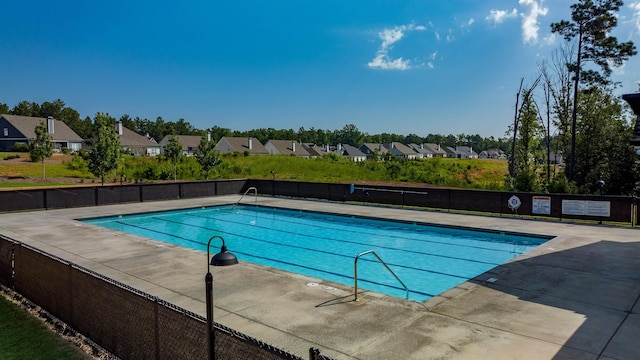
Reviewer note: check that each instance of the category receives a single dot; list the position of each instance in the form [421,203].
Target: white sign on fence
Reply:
[599,208]
[586,207]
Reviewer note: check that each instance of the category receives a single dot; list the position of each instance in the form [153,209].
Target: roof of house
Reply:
[240,144]
[314,150]
[451,150]
[372,147]
[187,141]
[352,151]
[421,149]
[466,150]
[400,148]
[286,147]
[435,148]
[27,126]
[130,138]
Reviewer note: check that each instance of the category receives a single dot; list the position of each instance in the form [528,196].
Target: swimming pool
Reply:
[428,259]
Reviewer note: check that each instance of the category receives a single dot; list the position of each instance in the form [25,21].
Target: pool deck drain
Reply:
[574,297]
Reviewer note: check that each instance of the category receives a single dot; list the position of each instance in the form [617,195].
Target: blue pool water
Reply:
[428,259]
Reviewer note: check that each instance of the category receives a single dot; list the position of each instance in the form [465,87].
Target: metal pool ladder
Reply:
[355,274]
[255,190]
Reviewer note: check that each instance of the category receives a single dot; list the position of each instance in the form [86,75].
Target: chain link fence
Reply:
[126,322]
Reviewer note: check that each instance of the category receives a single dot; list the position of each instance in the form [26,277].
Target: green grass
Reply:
[23,336]
[4,155]
[460,173]
[463,173]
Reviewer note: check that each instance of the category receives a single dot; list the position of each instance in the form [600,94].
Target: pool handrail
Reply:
[355,274]
[245,193]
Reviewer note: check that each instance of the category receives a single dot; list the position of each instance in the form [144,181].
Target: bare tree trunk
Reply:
[512,168]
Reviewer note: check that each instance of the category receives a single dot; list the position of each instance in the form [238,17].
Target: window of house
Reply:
[6,131]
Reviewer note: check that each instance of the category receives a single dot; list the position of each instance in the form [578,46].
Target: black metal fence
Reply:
[68,197]
[126,322]
[612,209]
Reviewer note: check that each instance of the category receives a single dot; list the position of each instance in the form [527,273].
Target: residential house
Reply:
[451,152]
[352,152]
[466,152]
[556,158]
[492,154]
[189,143]
[373,149]
[401,151]
[435,149]
[230,144]
[286,147]
[314,150]
[21,129]
[422,151]
[136,144]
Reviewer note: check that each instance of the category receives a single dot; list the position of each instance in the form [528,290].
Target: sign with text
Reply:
[541,205]
[586,207]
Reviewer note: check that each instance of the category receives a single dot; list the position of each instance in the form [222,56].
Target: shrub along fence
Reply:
[126,322]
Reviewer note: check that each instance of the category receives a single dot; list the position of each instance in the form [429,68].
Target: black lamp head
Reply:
[224,258]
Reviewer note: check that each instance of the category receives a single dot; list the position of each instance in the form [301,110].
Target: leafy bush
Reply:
[20,147]
[77,163]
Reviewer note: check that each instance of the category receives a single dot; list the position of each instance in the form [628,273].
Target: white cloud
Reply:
[433,55]
[437,36]
[636,14]
[498,16]
[382,60]
[549,39]
[530,20]
[430,65]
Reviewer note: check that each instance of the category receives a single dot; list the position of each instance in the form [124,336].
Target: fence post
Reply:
[156,337]
[314,354]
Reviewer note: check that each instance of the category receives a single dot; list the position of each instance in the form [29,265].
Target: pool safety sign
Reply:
[514,203]
[541,205]
[586,207]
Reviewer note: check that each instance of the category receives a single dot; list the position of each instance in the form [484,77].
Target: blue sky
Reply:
[421,67]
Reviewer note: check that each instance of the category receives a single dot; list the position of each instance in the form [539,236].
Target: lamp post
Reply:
[223,258]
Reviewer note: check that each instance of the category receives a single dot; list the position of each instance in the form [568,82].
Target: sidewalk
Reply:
[574,297]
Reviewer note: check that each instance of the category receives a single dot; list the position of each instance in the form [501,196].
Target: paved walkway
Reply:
[574,297]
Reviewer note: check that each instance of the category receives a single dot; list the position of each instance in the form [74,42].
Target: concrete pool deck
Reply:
[574,297]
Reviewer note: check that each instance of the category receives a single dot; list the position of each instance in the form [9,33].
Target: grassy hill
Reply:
[464,173]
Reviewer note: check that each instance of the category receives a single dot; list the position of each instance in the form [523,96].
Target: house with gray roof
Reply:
[422,151]
[373,149]
[230,144]
[401,151]
[314,150]
[436,149]
[352,152]
[286,147]
[451,152]
[21,129]
[189,143]
[136,144]
[466,152]
[492,154]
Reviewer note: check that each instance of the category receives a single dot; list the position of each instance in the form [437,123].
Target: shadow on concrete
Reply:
[599,284]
